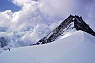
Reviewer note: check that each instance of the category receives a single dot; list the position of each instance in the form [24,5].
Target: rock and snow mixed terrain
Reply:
[73,41]
[20,39]
[76,48]
[71,23]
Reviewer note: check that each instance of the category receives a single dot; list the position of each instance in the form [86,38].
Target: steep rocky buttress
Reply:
[79,24]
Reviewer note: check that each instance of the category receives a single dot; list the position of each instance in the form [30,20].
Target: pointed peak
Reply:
[78,24]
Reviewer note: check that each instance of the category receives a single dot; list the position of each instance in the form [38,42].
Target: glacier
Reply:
[78,47]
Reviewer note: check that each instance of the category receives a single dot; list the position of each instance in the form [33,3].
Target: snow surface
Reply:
[76,48]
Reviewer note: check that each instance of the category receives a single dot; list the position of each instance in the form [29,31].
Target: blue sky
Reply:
[8,5]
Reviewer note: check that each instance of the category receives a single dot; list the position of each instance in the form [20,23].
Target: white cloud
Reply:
[5,18]
[59,8]
[21,2]
[27,25]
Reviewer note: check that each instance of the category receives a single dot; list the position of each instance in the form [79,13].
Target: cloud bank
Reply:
[38,17]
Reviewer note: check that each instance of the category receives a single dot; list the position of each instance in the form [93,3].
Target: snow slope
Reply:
[76,48]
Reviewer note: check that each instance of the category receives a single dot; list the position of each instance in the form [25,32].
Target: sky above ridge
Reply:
[35,18]
[54,9]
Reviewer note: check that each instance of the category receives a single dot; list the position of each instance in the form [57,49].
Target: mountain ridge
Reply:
[79,24]
[76,48]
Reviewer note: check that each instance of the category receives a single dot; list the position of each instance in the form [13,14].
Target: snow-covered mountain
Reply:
[71,23]
[76,48]
[66,28]
[72,41]
[19,39]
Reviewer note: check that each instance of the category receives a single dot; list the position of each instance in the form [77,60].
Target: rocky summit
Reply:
[72,22]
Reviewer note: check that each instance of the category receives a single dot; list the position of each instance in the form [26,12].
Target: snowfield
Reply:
[76,48]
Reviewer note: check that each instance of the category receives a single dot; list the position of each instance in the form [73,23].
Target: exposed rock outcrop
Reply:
[79,24]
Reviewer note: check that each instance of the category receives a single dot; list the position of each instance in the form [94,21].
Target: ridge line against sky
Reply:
[59,9]
[33,19]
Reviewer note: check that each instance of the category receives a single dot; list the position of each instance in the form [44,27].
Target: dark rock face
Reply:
[3,41]
[79,24]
